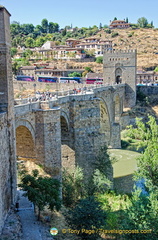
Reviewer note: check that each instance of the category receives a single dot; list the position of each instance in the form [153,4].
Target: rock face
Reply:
[7,129]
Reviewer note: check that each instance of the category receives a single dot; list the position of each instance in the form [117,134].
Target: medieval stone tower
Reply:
[7,130]
[120,67]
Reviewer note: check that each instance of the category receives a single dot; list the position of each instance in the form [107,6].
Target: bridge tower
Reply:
[7,129]
[119,66]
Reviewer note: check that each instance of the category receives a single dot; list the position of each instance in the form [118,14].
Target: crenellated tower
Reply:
[119,66]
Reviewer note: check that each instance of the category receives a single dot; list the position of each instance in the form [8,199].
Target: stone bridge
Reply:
[70,130]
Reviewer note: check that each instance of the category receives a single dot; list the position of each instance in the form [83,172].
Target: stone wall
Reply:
[5,170]
[7,128]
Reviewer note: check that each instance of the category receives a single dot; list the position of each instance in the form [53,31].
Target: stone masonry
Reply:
[120,67]
[7,129]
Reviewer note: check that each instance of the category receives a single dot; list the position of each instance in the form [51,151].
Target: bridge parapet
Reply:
[26,108]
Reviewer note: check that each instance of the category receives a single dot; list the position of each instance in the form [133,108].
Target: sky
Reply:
[82,13]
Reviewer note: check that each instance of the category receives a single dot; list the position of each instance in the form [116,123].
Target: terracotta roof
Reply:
[72,39]
[116,21]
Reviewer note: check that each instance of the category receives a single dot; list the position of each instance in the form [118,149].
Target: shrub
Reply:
[115,34]
[108,31]
[72,186]
[99,59]
[87,215]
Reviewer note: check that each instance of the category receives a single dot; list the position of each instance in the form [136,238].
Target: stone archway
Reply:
[67,152]
[25,139]
[25,145]
[118,75]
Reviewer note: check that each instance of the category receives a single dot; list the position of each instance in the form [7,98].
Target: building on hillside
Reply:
[74,49]
[98,45]
[71,42]
[37,70]
[119,24]
[146,77]
[48,45]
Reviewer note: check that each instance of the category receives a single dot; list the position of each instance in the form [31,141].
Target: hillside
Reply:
[144,40]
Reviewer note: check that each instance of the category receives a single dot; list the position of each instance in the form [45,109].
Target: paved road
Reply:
[30,226]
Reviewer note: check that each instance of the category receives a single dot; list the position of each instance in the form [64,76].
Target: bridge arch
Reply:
[64,122]
[67,150]
[25,139]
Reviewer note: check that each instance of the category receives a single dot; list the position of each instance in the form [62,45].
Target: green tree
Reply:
[42,191]
[99,59]
[44,25]
[15,29]
[74,74]
[51,27]
[141,214]
[144,209]
[64,32]
[87,215]
[27,28]
[142,22]
[39,41]
[13,51]
[29,42]
[100,26]
[146,133]
[72,186]
[156,69]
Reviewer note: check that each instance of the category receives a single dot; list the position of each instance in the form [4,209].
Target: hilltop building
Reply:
[119,24]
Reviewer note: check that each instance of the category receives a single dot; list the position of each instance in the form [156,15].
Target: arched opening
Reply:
[118,76]
[117,106]
[68,154]
[105,122]
[25,146]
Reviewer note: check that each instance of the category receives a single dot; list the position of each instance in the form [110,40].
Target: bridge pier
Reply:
[48,140]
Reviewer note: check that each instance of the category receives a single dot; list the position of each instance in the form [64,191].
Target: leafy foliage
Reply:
[87,215]
[141,215]
[99,59]
[74,74]
[42,191]
[72,186]
[144,209]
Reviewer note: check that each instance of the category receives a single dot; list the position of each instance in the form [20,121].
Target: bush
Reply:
[99,59]
[115,34]
[72,186]
[108,31]
[87,215]
[42,191]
